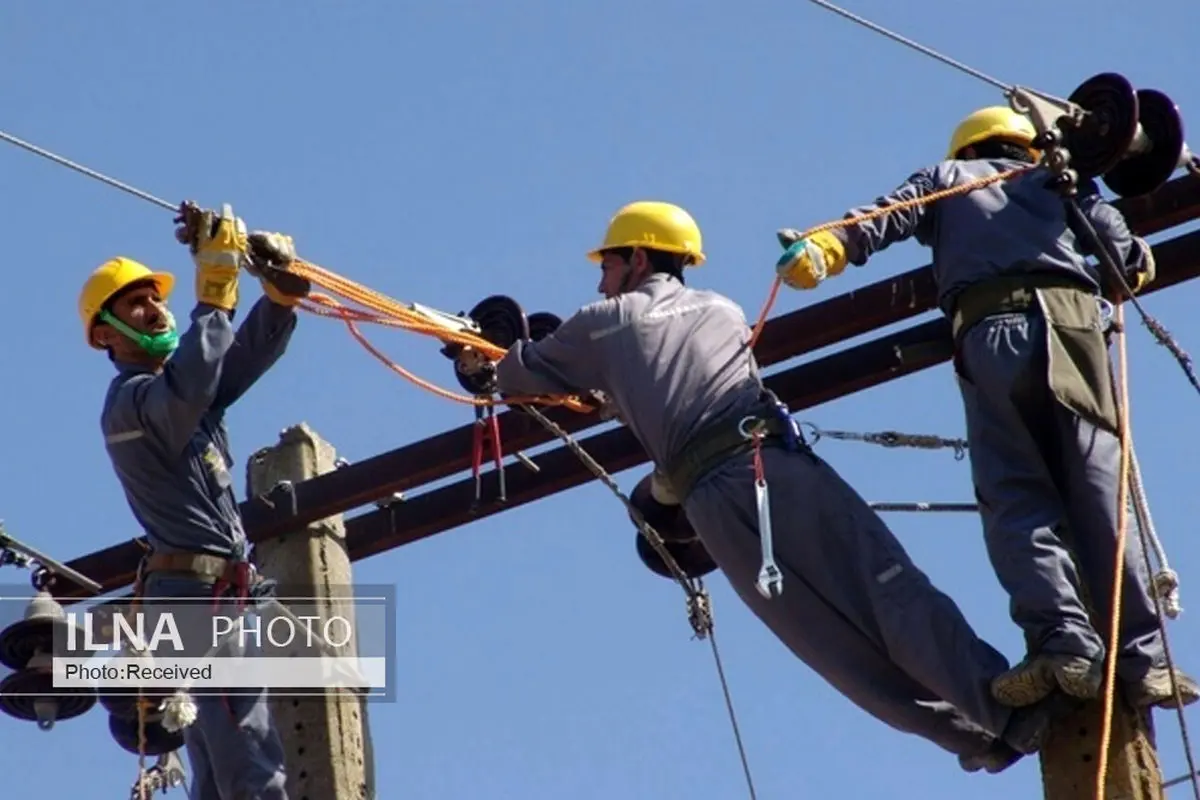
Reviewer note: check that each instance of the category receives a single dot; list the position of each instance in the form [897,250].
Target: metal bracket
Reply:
[167,773]
[19,554]
[282,498]
[458,323]
[1051,117]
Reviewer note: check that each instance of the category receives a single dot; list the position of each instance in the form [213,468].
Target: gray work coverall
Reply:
[1037,463]
[854,607]
[168,443]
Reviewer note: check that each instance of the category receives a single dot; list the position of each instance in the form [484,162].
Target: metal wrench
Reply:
[770,579]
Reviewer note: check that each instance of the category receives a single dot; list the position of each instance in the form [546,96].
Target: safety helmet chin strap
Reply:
[155,344]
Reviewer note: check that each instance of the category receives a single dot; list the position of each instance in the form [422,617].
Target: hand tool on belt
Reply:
[769,426]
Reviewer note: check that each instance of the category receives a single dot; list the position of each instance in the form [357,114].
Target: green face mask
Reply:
[156,344]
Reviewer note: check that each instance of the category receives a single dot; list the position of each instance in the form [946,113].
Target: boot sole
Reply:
[1188,694]
[1033,686]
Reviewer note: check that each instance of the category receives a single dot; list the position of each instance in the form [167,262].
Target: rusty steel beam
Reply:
[839,318]
[843,373]
[819,381]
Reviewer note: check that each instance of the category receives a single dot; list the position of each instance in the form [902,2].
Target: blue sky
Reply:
[441,152]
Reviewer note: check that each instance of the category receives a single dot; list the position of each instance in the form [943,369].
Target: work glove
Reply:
[1149,271]
[270,258]
[218,245]
[808,261]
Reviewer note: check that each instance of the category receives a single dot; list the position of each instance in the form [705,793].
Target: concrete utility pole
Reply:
[326,739]
[1071,756]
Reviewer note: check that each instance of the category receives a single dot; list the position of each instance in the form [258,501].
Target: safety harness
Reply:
[770,425]
[1007,294]
[235,574]
[226,574]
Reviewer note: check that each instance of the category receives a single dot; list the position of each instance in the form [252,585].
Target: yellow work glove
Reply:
[808,261]
[1149,271]
[218,245]
[271,258]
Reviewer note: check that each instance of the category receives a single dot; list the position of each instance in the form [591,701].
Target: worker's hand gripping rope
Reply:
[807,261]
[221,246]
[770,579]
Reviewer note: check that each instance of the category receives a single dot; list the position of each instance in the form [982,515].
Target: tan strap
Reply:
[1005,295]
[711,446]
[200,564]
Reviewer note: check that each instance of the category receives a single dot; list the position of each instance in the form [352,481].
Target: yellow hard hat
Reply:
[652,224]
[993,121]
[111,277]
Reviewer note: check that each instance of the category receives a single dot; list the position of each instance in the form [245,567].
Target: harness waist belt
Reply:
[1005,295]
[714,444]
[203,565]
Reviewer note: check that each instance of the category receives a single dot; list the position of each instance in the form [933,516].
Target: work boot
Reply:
[1155,689]
[1029,726]
[1037,676]
[997,758]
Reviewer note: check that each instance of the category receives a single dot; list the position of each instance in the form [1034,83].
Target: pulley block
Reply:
[159,740]
[1133,139]
[502,322]
[34,633]
[30,694]
[167,773]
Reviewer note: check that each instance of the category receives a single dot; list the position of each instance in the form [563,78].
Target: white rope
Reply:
[1165,583]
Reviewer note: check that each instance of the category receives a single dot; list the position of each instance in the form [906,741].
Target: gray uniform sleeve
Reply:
[1110,223]
[260,342]
[565,361]
[867,238]
[167,407]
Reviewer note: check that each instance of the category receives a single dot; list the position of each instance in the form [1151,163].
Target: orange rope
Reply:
[1118,570]
[383,310]
[328,307]
[874,213]
[380,309]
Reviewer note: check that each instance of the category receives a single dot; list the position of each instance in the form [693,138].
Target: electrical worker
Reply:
[1032,366]
[163,423]
[675,363]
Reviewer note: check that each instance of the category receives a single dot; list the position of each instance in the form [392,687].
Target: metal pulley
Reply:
[679,538]
[166,773]
[1132,139]
[502,321]
[158,740]
[27,647]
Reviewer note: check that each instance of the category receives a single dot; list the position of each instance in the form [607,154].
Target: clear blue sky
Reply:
[445,151]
